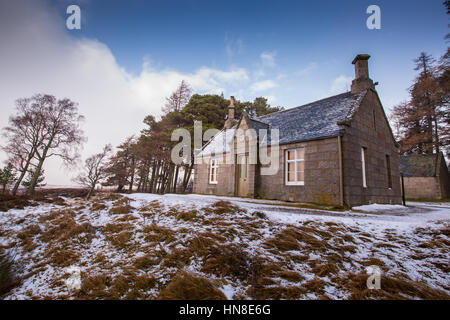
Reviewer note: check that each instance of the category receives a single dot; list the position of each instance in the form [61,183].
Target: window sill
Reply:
[295,183]
[212,182]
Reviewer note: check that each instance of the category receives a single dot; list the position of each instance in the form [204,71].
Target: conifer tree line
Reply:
[422,124]
[144,162]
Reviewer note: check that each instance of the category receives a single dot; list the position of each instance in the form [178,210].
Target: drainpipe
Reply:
[341,178]
[403,190]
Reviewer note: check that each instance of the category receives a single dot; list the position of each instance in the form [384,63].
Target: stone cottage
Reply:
[425,176]
[339,150]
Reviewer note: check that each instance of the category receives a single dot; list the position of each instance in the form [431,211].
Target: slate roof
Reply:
[315,120]
[418,165]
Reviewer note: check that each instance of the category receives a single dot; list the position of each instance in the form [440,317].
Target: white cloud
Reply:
[263,85]
[38,56]
[268,59]
[341,84]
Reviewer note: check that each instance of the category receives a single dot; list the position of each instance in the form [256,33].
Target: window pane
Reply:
[300,176]
[300,166]
[291,176]
[301,153]
[291,155]
[291,166]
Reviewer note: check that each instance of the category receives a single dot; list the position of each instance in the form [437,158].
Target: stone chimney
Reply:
[230,117]
[362,80]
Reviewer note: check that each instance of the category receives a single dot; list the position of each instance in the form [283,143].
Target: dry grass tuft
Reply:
[121,209]
[315,286]
[155,233]
[295,238]
[222,207]
[291,276]
[146,262]
[61,256]
[120,240]
[187,215]
[97,206]
[185,286]
[117,227]
[324,270]
[392,288]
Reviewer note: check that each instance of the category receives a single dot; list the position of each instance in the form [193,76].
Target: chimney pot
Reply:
[229,123]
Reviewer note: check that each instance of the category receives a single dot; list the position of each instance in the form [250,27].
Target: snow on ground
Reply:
[133,246]
[375,207]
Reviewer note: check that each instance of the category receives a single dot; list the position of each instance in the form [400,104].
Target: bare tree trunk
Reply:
[22,174]
[187,176]
[91,191]
[132,174]
[38,169]
[176,179]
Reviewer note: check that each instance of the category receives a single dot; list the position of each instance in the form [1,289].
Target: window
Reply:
[295,167]
[213,167]
[243,166]
[363,166]
[388,171]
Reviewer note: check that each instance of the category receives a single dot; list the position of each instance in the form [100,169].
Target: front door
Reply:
[242,173]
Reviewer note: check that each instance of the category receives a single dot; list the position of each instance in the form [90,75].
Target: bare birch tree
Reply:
[41,128]
[94,170]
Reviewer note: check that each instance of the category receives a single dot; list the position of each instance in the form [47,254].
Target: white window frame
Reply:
[295,160]
[363,166]
[241,166]
[213,164]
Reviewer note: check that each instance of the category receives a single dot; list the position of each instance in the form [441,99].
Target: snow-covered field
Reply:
[143,246]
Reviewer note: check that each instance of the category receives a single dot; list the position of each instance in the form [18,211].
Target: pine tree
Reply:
[7,176]
[423,118]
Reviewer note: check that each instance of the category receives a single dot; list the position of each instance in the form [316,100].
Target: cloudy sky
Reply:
[129,55]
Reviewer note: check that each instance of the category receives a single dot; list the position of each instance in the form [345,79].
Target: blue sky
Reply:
[130,55]
[316,36]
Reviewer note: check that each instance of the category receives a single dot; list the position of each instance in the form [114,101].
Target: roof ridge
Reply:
[304,105]
[253,119]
